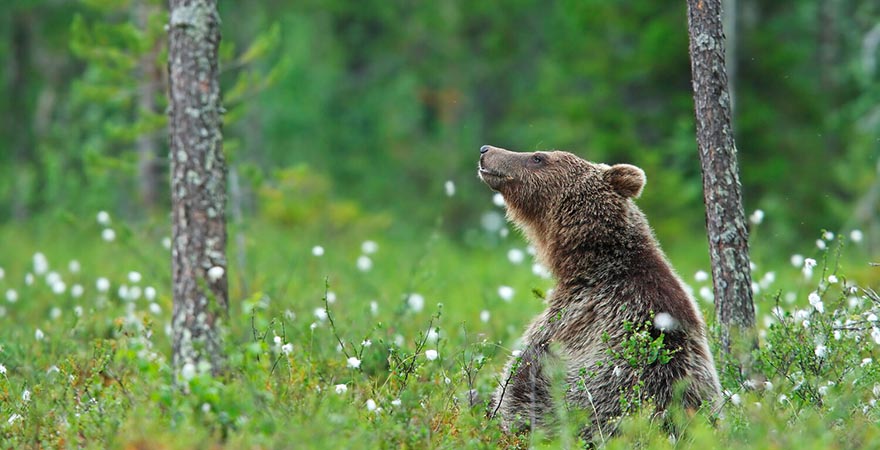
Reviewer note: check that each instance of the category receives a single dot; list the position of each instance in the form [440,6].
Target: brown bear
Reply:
[613,282]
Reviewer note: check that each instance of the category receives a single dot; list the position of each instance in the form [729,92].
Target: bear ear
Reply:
[625,179]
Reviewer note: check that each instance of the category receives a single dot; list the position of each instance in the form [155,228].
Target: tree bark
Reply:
[725,220]
[198,188]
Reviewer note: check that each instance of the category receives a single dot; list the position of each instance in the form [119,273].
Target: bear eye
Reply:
[537,159]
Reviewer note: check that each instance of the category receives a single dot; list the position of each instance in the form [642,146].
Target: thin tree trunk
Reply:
[730,31]
[725,220]
[147,144]
[198,187]
[20,131]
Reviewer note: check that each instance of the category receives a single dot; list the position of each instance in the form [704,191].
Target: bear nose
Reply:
[484,149]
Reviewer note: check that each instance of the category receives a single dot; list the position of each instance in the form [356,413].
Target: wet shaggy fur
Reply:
[582,220]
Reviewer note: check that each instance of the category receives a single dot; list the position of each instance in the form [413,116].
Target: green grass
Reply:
[101,378]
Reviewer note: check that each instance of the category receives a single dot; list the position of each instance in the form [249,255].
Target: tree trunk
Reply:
[725,220]
[20,132]
[730,31]
[147,144]
[198,188]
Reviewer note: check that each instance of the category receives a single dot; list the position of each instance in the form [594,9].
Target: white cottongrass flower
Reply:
[701,276]
[856,236]
[318,250]
[341,388]
[102,284]
[816,302]
[364,263]
[353,362]
[706,294]
[188,372]
[155,309]
[821,351]
[820,244]
[150,293]
[134,277]
[166,243]
[757,217]
[321,313]
[108,235]
[134,293]
[29,279]
[73,266]
[735,398]
[2,273]
[431,354]
[498,199]
[515,256]
[416,302]
[331,297]
[2,369]
[540,270]
[55,313]
[782,398]
[872,317]
[665,322]
[797,260]
[11,296]
[369,247]
[768,279]
[103,218]
[396,402]
[876,390]
[506,293]
[41,264]
[277,340]
[287,348]
[823,390]
[433,334]
[768,386]
[39,335]
[449,187]
[374,308]
[875,335]
[366,343]
[809,263]
[832,279]
[866,362]
[484,316]
[13,418]
[371,406]
[78,311]
[76,291]
[215,273]
[26,396]
[756,288]
[828,235]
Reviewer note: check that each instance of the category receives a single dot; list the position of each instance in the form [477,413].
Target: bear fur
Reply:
[582,221]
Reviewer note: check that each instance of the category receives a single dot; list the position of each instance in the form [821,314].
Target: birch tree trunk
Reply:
[725,220]
[198,188]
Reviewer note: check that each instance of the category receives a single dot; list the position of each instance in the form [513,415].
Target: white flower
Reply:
[809,262]
[768,386]
[506,293]
[797,260]
[341,388]
[665,322]
[277,340]
[828,235]
[55,313]
[369,247]
[484,316]
[39,335]
[706,294]
[353,362]
[515,256]
[103,218]
[134,293]
[166,243]
[366,343]
[320,314]
[816,302]
[150,293]
[820,351]
[374,308]
[701,276]
[498,199]
[287,348]
[29,279]
[875,334]
[540,270]
[11,296]
[449,187]
[735,399]
[876,390]
[26,396]
[872,317]
[13,418]
[823,390]
[59,288]
[78,311]
[371,405]
[155,309]
[782,398]
[433,334]
[318,250]
[617,371]
[866,362]
[396,402]
[331,297]
[2,369]
[756,288]
[73,266]
[431,354]
[856,235]
[364,263]
[832,279]
[188,372]
[821,245]
[416,302]
[134,277]
[757,217]
[76,291]
[108,234]
[215,273]
[103,284]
